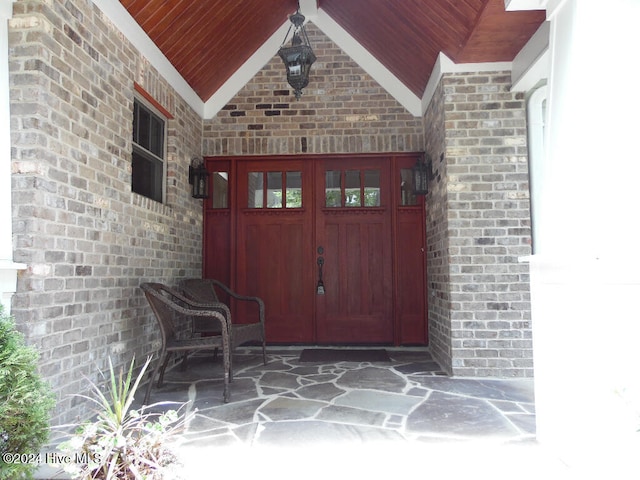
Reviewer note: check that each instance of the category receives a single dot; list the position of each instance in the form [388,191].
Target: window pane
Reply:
[274,189]
[352,189]
[372,188]
[294,190]
[255,190]
[220,194]
[333,194]
[142,126]
[407,188]
[136,116]
[156,136]
[146,175]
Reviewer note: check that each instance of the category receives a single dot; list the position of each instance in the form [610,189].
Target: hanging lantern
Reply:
[299,57]
[198,178]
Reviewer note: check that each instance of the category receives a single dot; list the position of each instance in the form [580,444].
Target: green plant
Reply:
[25,403]
[123,443]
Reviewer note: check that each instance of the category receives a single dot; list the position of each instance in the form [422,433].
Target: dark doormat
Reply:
[332,355]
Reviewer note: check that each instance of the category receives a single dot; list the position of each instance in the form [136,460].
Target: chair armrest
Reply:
[238,296]
[200,305]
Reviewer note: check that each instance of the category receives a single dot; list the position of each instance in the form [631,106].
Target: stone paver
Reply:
[456,416]
[392,403]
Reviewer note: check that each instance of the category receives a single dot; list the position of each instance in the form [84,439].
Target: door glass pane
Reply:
[274,189]
[255,190]
[332,192]
[372,188]
[220,193]
[407,188]
[294,190]
[352,189]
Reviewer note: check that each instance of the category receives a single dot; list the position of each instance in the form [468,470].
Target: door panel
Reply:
[274,243]
[410,306]
[353,228]
[273,255]
[409,261]
[357,280]
[218,225]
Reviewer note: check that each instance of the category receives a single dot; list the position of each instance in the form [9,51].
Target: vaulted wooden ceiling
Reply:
[207,41]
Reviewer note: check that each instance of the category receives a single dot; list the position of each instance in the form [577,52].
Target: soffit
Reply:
[207,41]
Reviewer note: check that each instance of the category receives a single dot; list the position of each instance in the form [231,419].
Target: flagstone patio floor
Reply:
[289,419]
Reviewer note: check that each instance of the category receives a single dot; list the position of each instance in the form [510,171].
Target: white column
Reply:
[8,269]
[585,275]
[536,106]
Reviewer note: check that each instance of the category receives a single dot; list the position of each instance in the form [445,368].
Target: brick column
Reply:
[478,227]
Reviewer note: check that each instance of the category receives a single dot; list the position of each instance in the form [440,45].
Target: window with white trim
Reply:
[149,151]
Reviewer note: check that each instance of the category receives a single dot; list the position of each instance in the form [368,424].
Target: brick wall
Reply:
[343,110]
[437,234]
[478,226]
[87,240]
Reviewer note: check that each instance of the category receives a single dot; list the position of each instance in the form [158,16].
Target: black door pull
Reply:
[320,286]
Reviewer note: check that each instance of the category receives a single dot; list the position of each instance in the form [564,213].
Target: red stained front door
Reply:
[333,245]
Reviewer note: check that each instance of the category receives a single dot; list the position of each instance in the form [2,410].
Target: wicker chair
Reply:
[204,292]
[169,306]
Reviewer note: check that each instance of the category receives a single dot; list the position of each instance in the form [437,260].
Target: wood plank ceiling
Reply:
[207,41]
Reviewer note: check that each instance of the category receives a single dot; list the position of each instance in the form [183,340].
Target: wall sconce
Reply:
[198,178]
[422,175]
[299,57]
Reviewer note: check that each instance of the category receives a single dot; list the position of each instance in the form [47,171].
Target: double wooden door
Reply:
[333,244]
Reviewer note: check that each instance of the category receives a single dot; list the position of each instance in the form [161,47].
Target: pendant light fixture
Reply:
[298,57]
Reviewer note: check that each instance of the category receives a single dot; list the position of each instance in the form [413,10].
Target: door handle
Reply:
[320,285]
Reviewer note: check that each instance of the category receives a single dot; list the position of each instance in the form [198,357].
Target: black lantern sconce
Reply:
[198,178]
[299,57]
[422,175]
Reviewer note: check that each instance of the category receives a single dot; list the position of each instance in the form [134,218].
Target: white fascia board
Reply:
[434,80]
[124,22]
[369,63]
[245,73]
[537,72]
[515,5]
[532,62]
[445,65]
[551,6]
[448,66]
